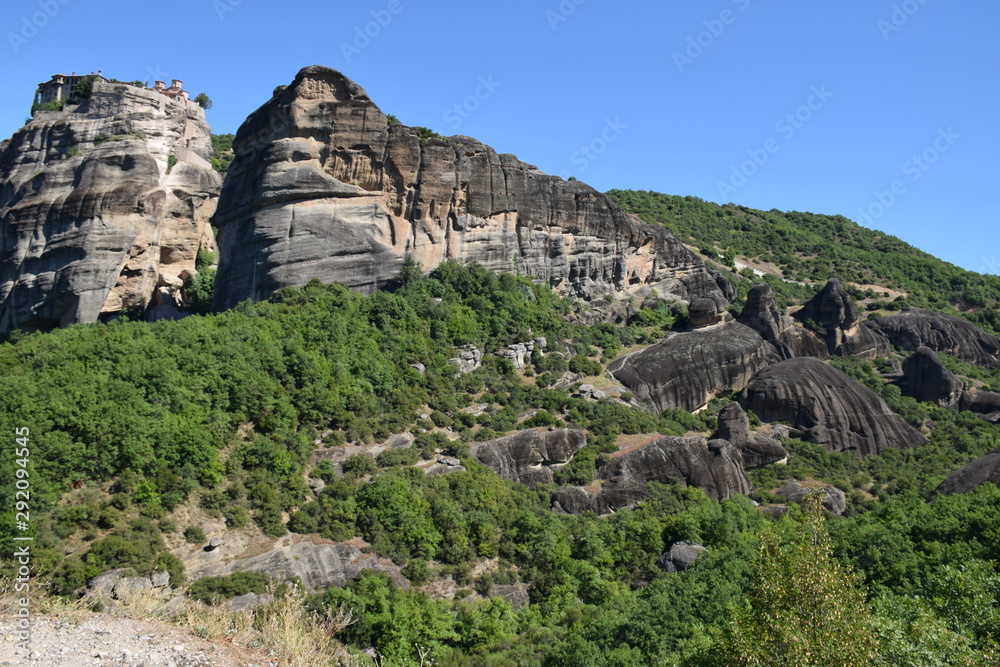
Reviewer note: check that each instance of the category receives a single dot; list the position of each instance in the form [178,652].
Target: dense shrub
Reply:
[212,590]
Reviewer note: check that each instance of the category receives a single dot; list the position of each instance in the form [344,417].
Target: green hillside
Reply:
[809,247]
[135,426]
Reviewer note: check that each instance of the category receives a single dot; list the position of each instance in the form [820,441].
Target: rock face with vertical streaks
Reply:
[530,457]
[715,466]
[99,204]
[835,311]
[915,327]
[829,408]
[324,186]
[762,314]
[688,369]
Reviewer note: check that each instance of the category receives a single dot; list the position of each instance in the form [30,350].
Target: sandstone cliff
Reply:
[323,186]
[915,327]
[100,203]
[828,407]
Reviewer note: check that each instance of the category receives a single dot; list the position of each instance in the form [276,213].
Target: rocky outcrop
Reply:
[469,359]
[100,204]
[715,466]
[530,457]
[711,465]
[114,585]
[834,310]
[442,465]
[762,314]
[704,312]
[984,469]
[984,403]
[829,408]
[317,563]
[324,186]
[758,449]
[834,500]
[680,556]
[927,379]
[688,369]
[518,353]
[573,500]
[913,328]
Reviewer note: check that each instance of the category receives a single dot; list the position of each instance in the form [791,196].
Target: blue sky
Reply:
[884,111]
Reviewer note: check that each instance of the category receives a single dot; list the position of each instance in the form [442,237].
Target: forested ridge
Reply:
[810,247]
[132,422]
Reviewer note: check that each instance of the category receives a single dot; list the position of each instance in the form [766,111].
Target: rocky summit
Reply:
[762,314]
[834,311]
[102,204]
[324,185]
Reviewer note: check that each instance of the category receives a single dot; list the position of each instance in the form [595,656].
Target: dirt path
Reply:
[97,639]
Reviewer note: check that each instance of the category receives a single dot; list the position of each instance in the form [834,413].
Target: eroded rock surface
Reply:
[762,314]
[469,359]
[322,186]
[834,500]
[688,369]
[829,408]
[758,449]
[912,328]
[927,379]
[984,403]
[318,564]
[680,556]
[984,469]
[712,465]
[101,203]
[846,335]
[704,312]
[530,457]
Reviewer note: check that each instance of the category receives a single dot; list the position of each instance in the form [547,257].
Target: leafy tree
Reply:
[425,134]
[84,87]
[222,151]
[203,100]
[803,607]
[54,105]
